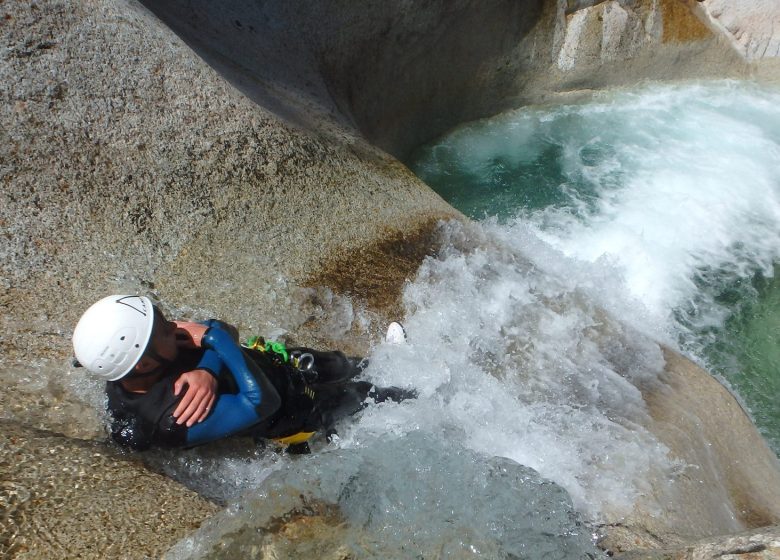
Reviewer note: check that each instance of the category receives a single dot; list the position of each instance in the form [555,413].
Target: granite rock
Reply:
[68,498]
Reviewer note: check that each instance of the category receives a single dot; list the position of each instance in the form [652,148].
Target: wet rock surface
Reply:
[761,544]
[68,498]
[729,479]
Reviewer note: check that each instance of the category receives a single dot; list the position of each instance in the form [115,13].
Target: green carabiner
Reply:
[278,348]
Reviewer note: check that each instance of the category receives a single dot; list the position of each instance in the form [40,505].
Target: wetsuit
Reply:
[258,395]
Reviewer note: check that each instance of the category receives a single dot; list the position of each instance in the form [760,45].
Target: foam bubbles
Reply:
[662,185]
[638,206]
[515,364]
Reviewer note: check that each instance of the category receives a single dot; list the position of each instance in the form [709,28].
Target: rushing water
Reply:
[676,189]
[601,228]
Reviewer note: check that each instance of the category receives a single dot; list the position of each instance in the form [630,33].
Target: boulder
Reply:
[131,165]
[404,72]
[752,27]
[617,43]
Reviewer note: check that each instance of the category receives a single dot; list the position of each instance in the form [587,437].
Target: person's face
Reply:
[163,339]
[162,345]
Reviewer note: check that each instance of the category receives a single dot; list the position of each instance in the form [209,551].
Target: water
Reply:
[676,189]
[431,484]
[746,350]
[602,228]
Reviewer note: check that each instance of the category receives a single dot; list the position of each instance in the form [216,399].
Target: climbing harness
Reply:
[277,351]
[301,363]
[277,348]
[300,437]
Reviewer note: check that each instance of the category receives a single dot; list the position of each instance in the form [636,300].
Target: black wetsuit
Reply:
[259,395]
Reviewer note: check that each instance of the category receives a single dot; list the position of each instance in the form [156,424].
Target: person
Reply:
[183,384]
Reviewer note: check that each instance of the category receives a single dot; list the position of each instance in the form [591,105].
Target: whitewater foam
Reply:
[654,200]
[512,363]
[661,185]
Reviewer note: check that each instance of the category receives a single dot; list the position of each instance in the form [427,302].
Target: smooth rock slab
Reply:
[730,480]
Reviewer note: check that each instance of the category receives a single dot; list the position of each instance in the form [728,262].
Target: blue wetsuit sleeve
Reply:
[256,399]
[211,362]
[231,414]
[230,329]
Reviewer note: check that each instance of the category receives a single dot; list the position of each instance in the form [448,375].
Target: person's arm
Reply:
[232,414]
[189,334]
[201,388]
[256,400]
[200,393]
[227,327]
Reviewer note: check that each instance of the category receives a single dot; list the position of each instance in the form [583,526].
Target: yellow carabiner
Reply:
[256,343]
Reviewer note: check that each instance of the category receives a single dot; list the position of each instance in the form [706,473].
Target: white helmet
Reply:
[112,335]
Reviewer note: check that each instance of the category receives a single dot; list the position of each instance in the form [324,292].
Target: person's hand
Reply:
[189,335]
[198,399]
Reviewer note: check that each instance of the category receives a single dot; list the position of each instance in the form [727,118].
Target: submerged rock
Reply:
[415,496]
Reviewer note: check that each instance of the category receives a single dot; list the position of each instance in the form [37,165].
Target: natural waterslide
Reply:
[129,164]
[661,204]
